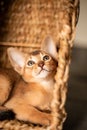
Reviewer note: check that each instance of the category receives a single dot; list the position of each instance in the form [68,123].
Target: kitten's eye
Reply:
[46,57]
[30,63]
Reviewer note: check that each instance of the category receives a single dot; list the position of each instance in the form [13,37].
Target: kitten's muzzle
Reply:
[41,65]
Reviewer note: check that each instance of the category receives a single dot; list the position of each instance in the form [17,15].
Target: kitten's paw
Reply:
[47,120]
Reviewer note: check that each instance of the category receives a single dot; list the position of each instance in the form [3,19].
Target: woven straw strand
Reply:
[60,90]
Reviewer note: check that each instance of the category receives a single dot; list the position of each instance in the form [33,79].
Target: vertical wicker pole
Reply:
[60,88]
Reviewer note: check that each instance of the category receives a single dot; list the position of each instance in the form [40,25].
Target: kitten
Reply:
[26,91]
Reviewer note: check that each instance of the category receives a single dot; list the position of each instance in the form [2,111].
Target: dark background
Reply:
[76,104]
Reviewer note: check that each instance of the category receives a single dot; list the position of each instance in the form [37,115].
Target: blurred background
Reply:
[76,105]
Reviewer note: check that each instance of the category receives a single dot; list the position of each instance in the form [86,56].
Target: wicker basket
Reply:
[24,24]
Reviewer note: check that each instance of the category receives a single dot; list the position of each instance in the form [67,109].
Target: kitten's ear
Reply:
[17,59]
[50,47]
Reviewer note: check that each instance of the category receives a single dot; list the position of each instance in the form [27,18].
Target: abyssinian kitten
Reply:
[27,90]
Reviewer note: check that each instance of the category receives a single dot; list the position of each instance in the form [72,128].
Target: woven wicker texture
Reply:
[24,24]
[29,21]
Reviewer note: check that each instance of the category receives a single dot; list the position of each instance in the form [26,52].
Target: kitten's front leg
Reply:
[31,114]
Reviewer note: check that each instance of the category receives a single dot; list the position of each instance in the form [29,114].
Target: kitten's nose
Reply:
[41,64]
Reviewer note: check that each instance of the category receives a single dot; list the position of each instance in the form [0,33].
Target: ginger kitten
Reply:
[26,91]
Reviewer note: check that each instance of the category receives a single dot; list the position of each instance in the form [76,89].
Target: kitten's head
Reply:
[39,64]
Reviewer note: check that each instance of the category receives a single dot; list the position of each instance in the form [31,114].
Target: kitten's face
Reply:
[39,65]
